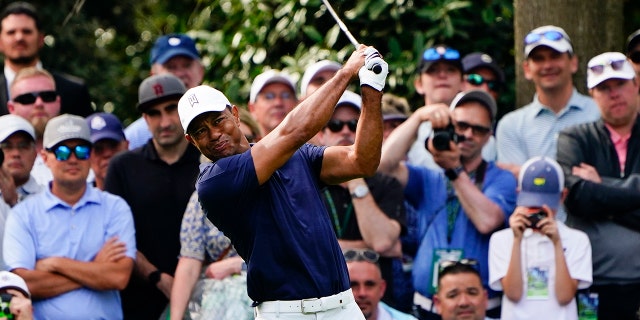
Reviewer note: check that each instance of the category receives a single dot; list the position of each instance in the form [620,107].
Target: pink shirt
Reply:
[620,143]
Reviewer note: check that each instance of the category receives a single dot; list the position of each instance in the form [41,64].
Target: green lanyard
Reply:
[334,214]
[453,205]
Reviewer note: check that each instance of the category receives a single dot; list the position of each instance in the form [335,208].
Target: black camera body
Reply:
[5,311]
[534,218]
[442,136]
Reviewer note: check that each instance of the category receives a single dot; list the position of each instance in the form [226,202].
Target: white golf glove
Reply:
[372,63]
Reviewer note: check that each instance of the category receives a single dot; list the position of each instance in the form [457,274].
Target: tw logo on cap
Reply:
[193,99]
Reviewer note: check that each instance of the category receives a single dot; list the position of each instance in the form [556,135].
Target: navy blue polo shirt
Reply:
[280,228]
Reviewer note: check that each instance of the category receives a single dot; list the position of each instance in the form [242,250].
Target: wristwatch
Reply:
[453,174]
[154,277]
[360,191]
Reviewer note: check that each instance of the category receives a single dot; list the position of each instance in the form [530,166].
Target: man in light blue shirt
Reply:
[73,244]
[533,129]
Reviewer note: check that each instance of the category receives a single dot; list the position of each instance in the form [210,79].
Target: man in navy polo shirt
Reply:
[265,197]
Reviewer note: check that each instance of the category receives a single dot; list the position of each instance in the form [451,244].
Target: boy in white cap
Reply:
[539,262]
[73,244]
[601,163]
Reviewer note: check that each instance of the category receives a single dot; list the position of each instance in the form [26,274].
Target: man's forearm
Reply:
[44,285]
[398,143]
[485,215]
[95,275]
[368,139]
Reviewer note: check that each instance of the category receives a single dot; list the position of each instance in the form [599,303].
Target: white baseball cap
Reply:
[313,70]
[608,65]
[269,77]
[11,123]
[199,100]
[550,36]
[352,99]
[10,280]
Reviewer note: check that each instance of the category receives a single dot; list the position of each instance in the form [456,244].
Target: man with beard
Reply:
[35,99]
[461,207]
[157,181]
[21,38]
[368,286]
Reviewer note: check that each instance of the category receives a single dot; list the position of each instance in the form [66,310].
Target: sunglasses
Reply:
[598,69]
[337,125]
[453,263]
[30,97]
[433,54]
[635,56]
[532,38]
[63,153]
[477,130]
[478,80]
[361,255]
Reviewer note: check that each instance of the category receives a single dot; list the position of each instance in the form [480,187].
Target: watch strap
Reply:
[452,174]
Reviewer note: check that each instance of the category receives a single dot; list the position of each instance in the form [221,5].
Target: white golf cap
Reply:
[11,123]
[199,100]
[269,77]
[313,70]
[351,99]
[560,44]
[606,61]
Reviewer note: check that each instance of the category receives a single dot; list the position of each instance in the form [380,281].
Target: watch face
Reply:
[360,191]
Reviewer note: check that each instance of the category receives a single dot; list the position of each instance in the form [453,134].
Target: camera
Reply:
[5,311]
[442,136]
[534,218]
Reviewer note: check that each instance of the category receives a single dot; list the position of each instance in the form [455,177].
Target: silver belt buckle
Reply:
[308,300]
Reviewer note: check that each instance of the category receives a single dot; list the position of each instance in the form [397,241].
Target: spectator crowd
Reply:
[319,201]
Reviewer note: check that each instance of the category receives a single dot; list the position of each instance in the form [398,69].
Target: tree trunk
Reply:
[594,26]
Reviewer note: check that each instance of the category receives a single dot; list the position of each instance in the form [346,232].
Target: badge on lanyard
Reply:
[538,282]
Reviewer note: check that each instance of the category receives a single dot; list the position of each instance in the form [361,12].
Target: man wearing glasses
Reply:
[460,208]
[34,97]
[157,181]
[482,72]
[365,212]
[17,141]
[368,286]
[601,163]
[532,130]
[74,245]
[272,97]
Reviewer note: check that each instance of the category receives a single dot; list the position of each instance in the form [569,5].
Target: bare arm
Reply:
[398,143]
[186,276]
[485,215]
[44,285]
[512,281]
[303,122]
[112,275]
[378,231]
[144,268]
[343,163]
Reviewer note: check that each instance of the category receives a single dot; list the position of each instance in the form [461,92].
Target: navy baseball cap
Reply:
[169,46]
[482,60]
[440,53]
[105,126]
[541,182]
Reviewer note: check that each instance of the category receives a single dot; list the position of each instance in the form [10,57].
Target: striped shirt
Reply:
[533,129]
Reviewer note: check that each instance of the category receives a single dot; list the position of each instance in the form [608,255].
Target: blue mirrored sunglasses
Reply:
[63,153]
[433,54]
[549,35]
